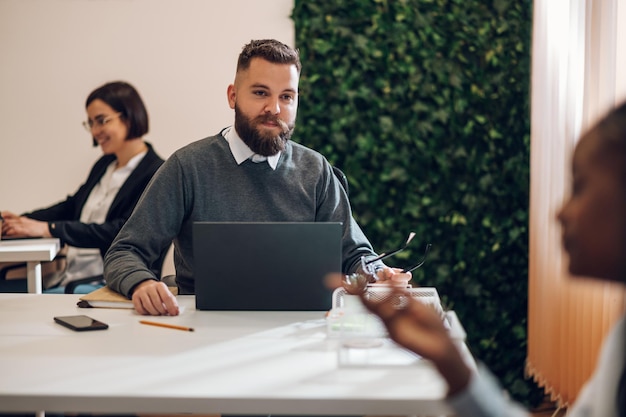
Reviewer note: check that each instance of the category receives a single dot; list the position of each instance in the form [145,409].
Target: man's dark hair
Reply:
[270,50]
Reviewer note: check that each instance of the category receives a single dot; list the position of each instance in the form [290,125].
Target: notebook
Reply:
[265,266]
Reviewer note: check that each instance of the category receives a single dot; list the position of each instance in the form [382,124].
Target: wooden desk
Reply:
[33,252]
[233,363]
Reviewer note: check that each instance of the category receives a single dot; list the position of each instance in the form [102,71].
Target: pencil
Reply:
[169,326]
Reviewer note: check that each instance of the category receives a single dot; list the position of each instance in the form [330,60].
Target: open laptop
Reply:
[265,266]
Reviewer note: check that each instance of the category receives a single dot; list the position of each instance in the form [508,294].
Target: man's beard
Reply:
[259,143]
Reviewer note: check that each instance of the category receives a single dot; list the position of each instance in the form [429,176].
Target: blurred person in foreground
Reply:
[593,224]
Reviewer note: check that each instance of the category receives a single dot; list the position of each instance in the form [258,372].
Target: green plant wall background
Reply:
[424,104]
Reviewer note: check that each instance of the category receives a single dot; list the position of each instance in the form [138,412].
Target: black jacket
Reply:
[64,217]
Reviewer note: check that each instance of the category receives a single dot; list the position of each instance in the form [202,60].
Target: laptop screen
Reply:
[265,266]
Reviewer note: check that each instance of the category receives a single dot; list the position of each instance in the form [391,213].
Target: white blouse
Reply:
[87,262]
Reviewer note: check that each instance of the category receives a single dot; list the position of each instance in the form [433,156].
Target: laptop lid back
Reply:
[265,266]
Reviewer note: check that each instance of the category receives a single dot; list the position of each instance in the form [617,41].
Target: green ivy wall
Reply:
[425,106]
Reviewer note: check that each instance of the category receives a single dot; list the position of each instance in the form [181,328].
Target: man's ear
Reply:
[231,94]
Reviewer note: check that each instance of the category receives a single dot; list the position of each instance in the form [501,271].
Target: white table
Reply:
[233,363]
[33,252]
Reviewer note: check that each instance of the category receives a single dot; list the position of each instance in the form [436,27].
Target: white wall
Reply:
[179,54]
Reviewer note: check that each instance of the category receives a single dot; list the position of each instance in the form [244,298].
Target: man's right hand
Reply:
[154,298]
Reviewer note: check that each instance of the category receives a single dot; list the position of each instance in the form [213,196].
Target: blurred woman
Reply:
[593,223]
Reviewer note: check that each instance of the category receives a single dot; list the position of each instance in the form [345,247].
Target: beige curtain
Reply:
[578,71]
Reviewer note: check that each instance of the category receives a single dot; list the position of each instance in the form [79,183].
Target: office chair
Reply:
[343,180]
[14,285]
[70,288]
[13,274]
[98,280]
[95,281]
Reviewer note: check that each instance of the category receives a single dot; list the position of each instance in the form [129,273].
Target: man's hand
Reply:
[154,298]
[393,276]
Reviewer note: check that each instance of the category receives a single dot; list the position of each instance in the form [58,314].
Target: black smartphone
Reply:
[81,323]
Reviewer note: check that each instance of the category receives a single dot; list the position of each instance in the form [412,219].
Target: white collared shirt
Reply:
[86,262]
[241,151]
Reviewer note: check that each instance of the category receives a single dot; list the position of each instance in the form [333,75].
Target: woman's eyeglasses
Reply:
[99,122]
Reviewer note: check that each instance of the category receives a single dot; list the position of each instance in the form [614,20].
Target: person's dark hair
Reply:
[270,50]
[123,98]
[612,133]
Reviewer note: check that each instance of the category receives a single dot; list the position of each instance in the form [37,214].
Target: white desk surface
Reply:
[233,363]
[23,250]
[33,252]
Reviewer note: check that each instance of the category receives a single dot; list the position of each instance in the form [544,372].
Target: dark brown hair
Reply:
[270,50]
[123,98]
[611,132]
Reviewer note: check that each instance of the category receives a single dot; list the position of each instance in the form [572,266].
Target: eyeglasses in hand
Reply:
[357,283]
[99,121]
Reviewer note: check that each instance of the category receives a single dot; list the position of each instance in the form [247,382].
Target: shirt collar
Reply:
[132,162]
[241,151]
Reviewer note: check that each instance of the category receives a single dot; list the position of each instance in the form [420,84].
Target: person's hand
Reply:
[21,226]
[417,327]
[357,283]
[154,298]
[393,276]
[6,215]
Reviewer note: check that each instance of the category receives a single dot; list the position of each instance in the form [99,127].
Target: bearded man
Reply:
[249,172]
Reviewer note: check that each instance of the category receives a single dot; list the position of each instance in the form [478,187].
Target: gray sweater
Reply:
[202,182]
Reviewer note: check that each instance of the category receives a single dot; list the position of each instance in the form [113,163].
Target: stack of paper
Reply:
[107,298]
